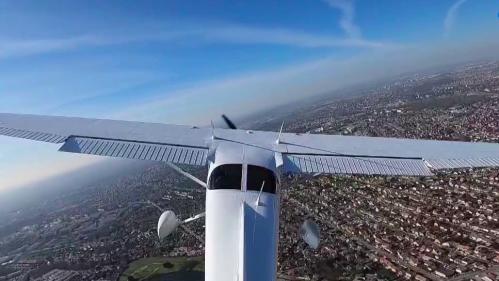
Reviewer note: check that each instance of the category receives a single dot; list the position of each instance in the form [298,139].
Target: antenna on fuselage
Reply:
[278,140]
[260,194]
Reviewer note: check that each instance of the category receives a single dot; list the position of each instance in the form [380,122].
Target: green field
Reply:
[165,268]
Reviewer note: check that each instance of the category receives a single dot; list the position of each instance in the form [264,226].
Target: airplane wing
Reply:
[300,153]
[333,154]
[124,139]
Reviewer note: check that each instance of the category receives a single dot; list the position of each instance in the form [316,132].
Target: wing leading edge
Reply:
[123,139]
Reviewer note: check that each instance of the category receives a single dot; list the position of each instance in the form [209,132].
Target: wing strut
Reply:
[187,175]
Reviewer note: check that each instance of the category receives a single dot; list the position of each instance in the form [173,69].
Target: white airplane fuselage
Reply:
[242,218]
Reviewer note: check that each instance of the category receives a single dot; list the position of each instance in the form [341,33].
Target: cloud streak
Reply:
[194,34]
[451,16]
[243,35]
[228,33]
[17,48]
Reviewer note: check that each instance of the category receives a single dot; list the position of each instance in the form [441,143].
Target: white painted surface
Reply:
[241,238]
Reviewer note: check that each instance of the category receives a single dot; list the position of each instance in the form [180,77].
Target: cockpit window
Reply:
[226,177]
[258,176]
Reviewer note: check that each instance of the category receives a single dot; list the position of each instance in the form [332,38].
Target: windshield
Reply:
[226,177]
[258,176]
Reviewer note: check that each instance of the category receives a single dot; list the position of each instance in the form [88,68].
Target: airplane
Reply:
[244,173]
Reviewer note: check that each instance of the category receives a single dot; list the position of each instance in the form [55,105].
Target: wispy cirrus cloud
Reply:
[347,23]
[16,48]
[451,16]
[225,33]
[202,34]
[243,35]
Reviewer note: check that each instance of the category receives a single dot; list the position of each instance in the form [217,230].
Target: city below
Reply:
[444,227]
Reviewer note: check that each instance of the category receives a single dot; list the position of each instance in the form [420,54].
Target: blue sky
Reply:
[188,61]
